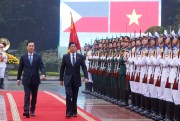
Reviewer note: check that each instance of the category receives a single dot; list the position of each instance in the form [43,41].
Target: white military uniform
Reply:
[158,72]
[143,70]
[165,62]
[88,56]
[3,64]
[151,69]
[174,73]
[131,69]
[136,62]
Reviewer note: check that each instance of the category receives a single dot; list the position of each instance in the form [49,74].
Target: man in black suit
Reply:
[30,64]
[70,75]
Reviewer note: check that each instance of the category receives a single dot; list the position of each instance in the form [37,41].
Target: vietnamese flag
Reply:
[73,34]
[133,16]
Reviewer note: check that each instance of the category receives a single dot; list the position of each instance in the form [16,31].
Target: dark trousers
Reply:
[30,89]
[71,97]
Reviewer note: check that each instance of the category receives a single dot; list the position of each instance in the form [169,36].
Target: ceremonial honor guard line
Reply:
[139,73]
[50,107]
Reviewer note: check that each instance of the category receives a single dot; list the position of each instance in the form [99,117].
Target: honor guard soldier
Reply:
[122,74]
[143,87]
[103,66]
[157,78]
[88,86]
[174,76]
[111,62]
[137,74]
[176,87]
[115,72]
[152,75]
[3,61]
[130,72]
[94,66]
[164,62]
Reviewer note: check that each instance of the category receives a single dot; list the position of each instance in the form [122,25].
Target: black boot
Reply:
[90,86]
[177,113]
[170,111]
[132,101]
[141,103]
[125,96]
[155,108]
[137,101]
[162,111]
[146,112]
[152,114]
[2,83]
[120,102]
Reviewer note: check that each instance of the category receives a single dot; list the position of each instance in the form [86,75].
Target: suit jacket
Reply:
[30,72]
[67,70]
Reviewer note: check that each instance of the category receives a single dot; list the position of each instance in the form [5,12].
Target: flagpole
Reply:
[73,35]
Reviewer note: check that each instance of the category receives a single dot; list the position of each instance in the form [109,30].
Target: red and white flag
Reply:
[131,16]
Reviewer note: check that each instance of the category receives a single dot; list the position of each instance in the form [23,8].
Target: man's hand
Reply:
[18,82]
[85,80]
[43,77]
[61,83]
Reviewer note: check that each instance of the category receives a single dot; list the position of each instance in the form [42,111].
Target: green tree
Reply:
[153,29]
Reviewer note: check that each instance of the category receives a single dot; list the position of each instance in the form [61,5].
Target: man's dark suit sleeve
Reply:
[20,68]
[84,68]
[42,68]
[62,69]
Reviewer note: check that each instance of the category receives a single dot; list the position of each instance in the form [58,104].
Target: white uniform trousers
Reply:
[168,94]
[160,90]
[176,95]
[132,86]
[89,74]
[145,89]
[2,72]
[140,91]
[153,90]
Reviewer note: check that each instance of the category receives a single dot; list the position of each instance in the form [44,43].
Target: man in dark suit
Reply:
[70,75]
[30,64]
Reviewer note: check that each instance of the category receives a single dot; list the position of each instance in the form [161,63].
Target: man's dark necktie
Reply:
[73,60]
[30,59]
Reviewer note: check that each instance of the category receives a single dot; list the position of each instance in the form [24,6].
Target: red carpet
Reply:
[50,107]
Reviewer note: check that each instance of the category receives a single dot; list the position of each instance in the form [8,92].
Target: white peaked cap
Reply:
[156,35]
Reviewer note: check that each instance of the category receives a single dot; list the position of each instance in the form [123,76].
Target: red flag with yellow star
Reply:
[134,15]
[73,34]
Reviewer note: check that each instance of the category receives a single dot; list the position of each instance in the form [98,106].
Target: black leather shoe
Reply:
[32,114]
[74,115]
[26,113]
[68,115]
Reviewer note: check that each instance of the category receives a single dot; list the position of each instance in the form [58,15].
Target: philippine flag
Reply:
[90,16]
[114,16]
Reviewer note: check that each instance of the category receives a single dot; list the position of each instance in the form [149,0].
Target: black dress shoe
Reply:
[26,113]
[68,115]
[74,115]
[32,114]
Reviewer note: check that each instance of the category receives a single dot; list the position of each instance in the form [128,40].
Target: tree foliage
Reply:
[154,29]
[36,20]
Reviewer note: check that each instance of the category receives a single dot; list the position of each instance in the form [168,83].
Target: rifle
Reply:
[158,82]
[176,80]
[146,74]
[168,85]
[151,80]
[137,79]
[132,75]
[128,73]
